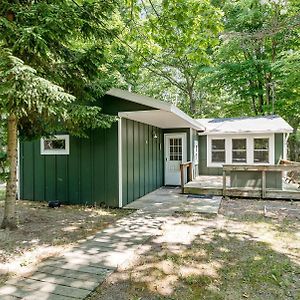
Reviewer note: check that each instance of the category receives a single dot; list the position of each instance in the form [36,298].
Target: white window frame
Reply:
[65,151]
[250,149]
[225,147]
[246,150]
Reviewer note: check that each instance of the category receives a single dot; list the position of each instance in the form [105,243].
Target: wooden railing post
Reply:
[263,184]
[184,165]
[224,182]
[190,174]
[182,177]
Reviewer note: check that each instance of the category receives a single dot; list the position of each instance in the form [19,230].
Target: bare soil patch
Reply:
[44,232]
[251,250]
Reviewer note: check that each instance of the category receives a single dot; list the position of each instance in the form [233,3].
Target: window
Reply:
[176,149]
[57,145]
[239,150]
[196,152]
[218,151]
[261,150]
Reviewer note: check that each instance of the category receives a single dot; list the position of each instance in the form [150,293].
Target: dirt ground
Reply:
[44,232]
[251,250]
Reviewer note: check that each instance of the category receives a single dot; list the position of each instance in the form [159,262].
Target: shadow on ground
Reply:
[203,258]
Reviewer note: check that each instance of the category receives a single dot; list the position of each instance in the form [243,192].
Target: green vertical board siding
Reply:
[150,139]
[38,181]
[86,176]
[50,178]
[62,175]
[279,141]
[203,169]
[74,172]
[143,171]
[112,166]
[99,171]
[136,161]
[141,159]
[124,163]
[85,170]
[130,160]
[112,105]
[146,135]
[27,178]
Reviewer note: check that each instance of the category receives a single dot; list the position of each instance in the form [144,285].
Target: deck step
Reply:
[202,191]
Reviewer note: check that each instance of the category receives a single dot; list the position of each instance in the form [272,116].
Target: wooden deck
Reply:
[213,185]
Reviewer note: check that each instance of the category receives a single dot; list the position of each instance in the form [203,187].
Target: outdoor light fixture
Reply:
[154,134]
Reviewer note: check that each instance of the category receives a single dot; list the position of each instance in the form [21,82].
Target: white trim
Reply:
[65,151]
[246,125]
[18,170]
[153,103]
[285,145]
[250,149]
[120,162]
[191,146]
[184,148]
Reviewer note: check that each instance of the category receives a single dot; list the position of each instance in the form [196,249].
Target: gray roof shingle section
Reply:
[265,124]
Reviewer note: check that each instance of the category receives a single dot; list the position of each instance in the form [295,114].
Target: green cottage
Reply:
[143,151]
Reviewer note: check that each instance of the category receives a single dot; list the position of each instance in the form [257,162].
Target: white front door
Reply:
[175,154]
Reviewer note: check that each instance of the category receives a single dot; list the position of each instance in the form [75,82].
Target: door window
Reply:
[175,149]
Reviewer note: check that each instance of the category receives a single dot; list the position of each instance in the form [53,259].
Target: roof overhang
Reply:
[248,125]
[162,114]
[160,118]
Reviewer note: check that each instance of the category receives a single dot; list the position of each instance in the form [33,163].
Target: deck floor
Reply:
[214,185]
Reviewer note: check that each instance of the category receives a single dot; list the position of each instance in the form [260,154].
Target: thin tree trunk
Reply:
[9,220]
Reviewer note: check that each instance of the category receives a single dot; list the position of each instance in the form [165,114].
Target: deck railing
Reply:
[186,165]
[263,169]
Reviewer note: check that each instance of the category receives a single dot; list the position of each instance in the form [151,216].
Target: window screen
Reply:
[218,151]
[239,150]
[261,150]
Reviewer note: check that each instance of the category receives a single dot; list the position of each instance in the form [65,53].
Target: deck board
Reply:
[213,185]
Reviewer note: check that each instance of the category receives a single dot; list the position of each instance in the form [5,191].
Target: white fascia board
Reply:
[157,104]
[194,124]
[242,132]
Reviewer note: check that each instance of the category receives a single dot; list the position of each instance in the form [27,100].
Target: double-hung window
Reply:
[239,150]
[261,150]
[218,151]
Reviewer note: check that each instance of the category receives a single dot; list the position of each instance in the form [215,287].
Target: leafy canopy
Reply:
[64,43]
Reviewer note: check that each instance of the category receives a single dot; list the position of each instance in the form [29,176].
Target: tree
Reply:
[258,58]
[48,48]
[174,41]
[22,93]
[256,35]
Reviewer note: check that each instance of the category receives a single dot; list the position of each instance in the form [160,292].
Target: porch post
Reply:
[224,182]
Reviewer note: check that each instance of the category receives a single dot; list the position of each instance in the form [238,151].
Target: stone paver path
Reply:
[77,272]
[166,201]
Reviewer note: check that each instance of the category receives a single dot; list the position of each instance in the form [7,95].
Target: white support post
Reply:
[120,162]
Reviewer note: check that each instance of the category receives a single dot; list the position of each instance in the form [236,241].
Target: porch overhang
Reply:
[162,114]
[162,118]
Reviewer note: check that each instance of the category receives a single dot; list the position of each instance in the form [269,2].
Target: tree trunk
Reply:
[9,220]
[192,101]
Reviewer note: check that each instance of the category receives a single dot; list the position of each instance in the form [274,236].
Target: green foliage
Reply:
[174,42]
[66,44]
[3,155]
